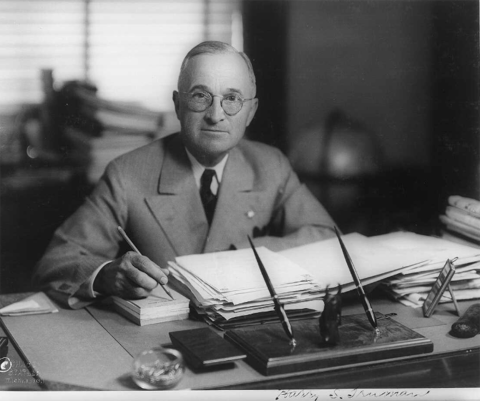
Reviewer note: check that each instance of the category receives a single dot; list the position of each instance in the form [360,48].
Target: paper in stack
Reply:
[156,308]
[229,287]
[228,290]
[373,261]
[411,286]
[462,216]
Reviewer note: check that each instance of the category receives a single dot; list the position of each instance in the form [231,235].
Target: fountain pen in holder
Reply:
[358,284]
[278,306]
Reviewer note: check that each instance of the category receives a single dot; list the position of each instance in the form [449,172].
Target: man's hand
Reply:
[130,276]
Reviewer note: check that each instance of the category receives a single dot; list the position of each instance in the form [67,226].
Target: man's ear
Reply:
[176,102]
[253,110]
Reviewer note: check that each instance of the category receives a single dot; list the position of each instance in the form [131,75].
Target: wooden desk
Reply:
[93,349]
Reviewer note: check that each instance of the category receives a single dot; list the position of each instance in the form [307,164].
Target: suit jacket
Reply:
[151,193]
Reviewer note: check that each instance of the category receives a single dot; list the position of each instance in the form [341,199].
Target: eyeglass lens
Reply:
[202,101]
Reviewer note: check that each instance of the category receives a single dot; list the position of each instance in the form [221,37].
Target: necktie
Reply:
[209,200]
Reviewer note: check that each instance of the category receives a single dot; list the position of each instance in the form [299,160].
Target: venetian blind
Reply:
[130,50]
[34,35]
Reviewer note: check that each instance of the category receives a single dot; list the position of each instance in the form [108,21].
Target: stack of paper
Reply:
[412,285]
[156,308]
[229,285]
[373,261]
[462,216]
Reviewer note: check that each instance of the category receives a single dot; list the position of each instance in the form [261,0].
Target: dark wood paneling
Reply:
[265,30]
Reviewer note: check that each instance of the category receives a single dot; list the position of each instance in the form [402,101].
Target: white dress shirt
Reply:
[198,170]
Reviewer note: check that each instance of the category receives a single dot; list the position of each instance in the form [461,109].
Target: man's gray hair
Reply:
[215,47]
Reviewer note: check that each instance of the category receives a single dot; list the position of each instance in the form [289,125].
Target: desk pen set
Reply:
[330,341]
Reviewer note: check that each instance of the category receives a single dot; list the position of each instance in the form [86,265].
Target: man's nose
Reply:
[215,112]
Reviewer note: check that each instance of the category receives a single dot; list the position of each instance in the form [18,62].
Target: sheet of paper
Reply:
[425,247]
[325,261]
[237,270]
[316,305]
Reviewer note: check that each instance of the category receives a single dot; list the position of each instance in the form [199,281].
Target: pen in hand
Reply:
[361,292]
[134,248]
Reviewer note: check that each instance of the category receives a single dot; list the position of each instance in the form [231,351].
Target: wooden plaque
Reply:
[268,350]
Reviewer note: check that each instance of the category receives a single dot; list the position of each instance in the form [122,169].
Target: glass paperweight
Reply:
[158,368]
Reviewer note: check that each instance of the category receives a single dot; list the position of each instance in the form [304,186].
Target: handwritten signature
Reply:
[381,394]
[338,394]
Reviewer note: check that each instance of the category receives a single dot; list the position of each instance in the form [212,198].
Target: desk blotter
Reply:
[268,349]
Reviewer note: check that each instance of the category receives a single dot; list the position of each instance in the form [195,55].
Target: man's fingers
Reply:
[146,266]
[165,271]
[138,278]
[135,292]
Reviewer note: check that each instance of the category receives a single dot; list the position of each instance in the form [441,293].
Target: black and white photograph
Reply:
[239,199]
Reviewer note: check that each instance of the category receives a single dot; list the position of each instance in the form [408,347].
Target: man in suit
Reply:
[203,189]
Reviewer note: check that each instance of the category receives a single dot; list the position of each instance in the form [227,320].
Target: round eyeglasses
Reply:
[202,100]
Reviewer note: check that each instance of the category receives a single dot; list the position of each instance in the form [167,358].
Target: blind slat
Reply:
[134,48]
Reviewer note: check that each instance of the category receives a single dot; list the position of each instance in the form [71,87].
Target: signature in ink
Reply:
[380,394]
[297,394]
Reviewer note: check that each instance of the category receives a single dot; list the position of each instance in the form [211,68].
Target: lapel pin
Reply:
[250,214]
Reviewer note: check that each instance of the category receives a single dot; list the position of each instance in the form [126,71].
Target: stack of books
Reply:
[98,130]
[94,153]
[156,308]
[412,285]
[118,116]
[462,219]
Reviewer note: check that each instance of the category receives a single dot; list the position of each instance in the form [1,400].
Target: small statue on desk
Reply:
[331,317]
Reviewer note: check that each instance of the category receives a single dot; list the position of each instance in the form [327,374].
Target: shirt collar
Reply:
[198,169]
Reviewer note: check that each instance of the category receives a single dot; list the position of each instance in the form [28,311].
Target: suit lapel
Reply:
[235,201]
[178,208]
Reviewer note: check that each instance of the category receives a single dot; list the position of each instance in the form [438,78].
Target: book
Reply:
[142,321]
[157,307]
[461,220]
[466,230]
[132,122]
[94,153]
[454,236]
[463,217]
[472,206]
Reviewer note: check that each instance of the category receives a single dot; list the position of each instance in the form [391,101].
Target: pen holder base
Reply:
[268,349]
